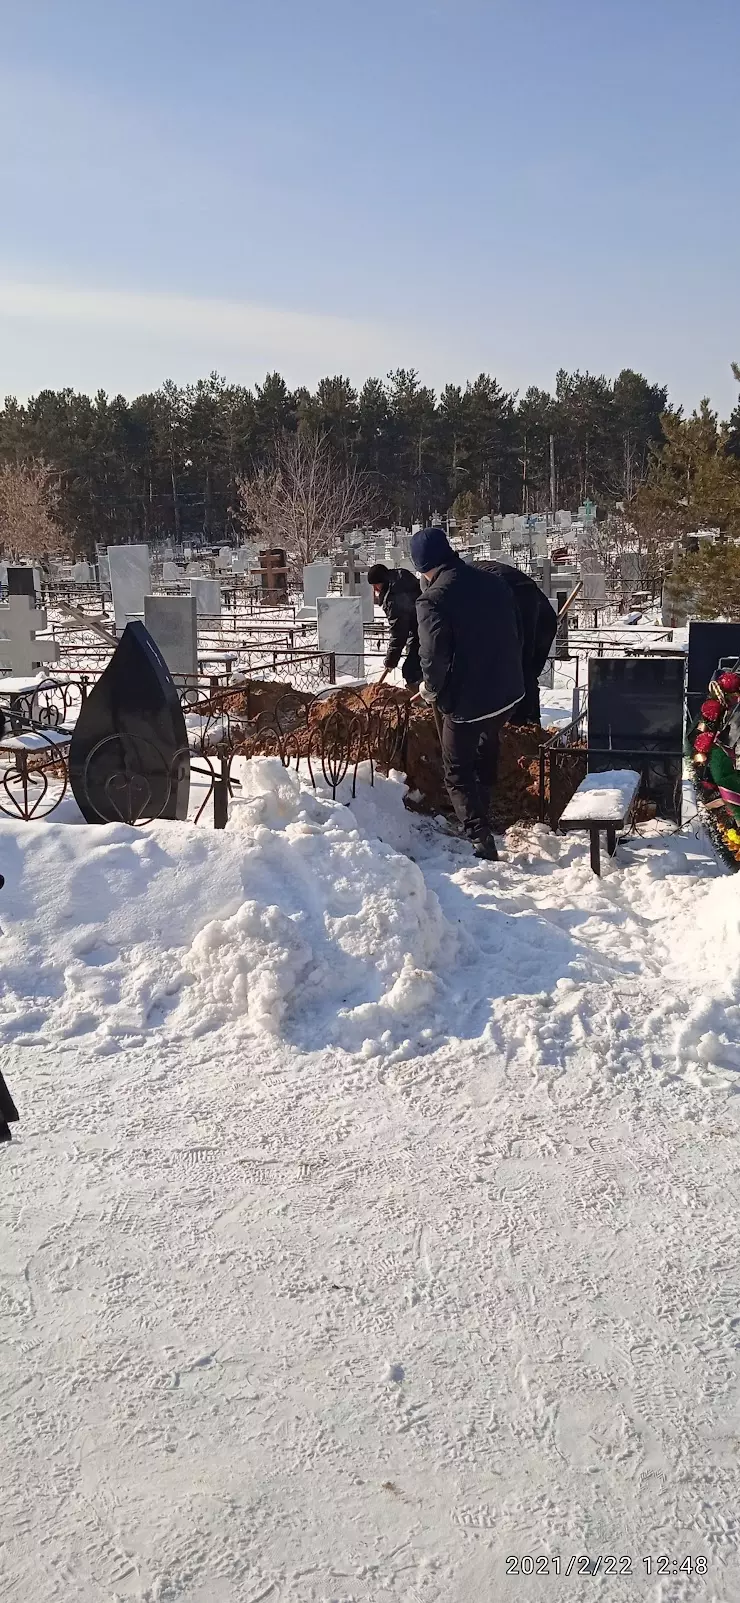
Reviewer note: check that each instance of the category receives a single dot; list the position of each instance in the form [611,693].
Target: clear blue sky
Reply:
[346,186]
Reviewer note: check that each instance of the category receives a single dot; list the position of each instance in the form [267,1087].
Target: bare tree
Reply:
[305,499]
[644,539]
[28,506]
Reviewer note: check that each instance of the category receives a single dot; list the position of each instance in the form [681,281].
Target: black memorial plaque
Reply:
[21,582]
[129,758]
[711,646]
[635,719]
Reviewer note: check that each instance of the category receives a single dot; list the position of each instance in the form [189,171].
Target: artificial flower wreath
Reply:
[714,744]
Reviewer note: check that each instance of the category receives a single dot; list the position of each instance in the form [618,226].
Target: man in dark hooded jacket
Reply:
[471,655]
[397,592]
[538,621]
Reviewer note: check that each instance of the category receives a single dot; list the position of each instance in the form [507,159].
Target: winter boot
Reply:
[484,845]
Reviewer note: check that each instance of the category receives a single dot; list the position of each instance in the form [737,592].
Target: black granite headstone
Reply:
[635,718]
[129,758]
[21,582]
[711,645]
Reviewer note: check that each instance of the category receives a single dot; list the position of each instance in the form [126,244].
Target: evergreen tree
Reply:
[693,483]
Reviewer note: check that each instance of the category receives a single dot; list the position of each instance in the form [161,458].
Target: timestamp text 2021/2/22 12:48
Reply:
[661,1564]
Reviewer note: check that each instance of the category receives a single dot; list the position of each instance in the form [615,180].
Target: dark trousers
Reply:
[411,666]
[470,764]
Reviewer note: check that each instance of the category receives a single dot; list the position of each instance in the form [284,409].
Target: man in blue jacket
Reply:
[471,656]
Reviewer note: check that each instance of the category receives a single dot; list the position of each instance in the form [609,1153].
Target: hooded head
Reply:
[430,548]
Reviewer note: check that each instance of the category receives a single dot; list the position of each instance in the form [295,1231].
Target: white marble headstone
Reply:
[20,652]
[340,630]
[173,625]
[170,572]
[316,581]
[207,593]
[129,578]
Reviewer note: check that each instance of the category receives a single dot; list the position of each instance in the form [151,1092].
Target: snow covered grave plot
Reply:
[372,1213]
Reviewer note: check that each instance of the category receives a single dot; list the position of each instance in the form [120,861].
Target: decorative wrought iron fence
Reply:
[329,736]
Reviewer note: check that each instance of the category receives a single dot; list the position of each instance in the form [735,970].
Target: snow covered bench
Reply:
[602,802]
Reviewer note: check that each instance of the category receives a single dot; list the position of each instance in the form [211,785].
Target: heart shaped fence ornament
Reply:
[25,782]
[128,795]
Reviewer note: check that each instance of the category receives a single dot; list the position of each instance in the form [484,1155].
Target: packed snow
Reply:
[602,796]
[373,1212]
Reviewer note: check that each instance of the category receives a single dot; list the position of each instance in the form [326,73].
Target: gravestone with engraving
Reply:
[173,625]
[635,720]
[128,566]
[711,645]
[207,596]
[21,653]
[340,630]
[129,758]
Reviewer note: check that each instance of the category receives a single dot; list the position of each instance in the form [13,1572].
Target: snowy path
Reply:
[357,1292]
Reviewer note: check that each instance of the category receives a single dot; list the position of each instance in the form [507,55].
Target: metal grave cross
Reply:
[22,653]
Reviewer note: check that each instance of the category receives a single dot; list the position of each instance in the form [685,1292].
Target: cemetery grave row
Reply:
[311,655]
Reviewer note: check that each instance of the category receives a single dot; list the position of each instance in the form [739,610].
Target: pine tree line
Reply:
[168,463]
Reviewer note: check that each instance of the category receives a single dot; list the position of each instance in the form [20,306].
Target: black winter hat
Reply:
[430,548]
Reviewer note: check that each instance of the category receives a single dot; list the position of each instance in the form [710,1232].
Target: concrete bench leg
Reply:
[611,839]
[595,850]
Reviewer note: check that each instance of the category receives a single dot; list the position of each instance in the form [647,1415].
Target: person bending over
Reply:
[471,656]
[538,620]
[397,592]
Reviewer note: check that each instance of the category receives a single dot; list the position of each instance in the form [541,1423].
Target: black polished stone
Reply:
[711,646]
[129,758]
[635,718]
[20,582]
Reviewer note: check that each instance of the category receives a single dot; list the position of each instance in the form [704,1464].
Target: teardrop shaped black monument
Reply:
[129,758]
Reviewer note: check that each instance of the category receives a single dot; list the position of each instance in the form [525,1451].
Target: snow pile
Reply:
[707,944]
[372,1215]
[295,920]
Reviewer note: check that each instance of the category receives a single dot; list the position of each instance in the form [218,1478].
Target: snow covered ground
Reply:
[373,1213]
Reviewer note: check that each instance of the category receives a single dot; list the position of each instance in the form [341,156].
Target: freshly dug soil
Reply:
[258,700]
[517,793]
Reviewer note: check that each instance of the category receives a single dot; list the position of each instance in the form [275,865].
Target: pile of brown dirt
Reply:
[261,701]
[517,796]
